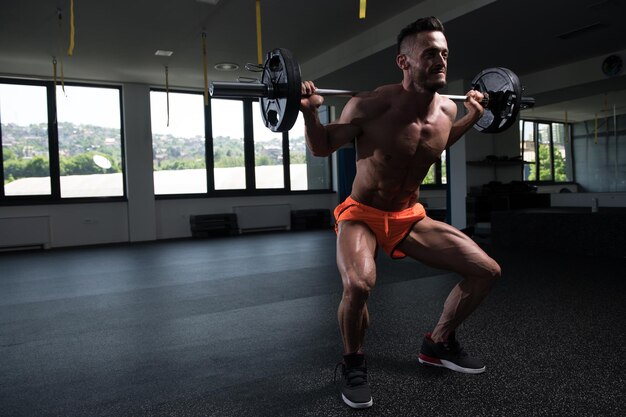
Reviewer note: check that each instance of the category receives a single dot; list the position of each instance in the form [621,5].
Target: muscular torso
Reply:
[400,140]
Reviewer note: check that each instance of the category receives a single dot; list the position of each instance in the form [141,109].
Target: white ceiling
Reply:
[115,40]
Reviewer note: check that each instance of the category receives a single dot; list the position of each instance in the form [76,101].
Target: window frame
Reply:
[567,139]
[249,159]
[53,149]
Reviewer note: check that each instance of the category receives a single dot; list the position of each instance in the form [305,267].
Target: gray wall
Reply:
[600,154]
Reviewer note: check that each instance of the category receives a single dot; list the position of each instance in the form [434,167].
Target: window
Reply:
[437,173]
[545,150]
[600,149]
[25,149]
[60,144]
[90,141]
[307,172]
[268,153]
[232,153]
[178,143]
[227,125]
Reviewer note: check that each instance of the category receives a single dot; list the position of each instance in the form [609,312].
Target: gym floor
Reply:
[246,326]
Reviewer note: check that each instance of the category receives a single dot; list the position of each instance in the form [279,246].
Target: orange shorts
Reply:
[390,227]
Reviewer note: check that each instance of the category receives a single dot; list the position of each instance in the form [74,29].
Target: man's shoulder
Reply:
[381,97]
[448,106]
[388,89]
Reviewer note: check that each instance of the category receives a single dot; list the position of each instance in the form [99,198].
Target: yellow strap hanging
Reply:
[167,94]
[362,6]
[259,42]
[70,50]
[204,63]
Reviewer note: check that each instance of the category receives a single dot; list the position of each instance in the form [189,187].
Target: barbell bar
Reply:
[279,94]
[226,89]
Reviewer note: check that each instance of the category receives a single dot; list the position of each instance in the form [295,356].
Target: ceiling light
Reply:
[226,66]
[212,2]
[162,52]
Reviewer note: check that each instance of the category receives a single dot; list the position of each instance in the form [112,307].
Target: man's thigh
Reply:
[442,246]
[356,251]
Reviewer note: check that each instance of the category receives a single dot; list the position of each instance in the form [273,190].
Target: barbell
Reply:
[279,94]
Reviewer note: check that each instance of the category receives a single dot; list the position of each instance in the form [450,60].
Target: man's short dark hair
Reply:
[423,24]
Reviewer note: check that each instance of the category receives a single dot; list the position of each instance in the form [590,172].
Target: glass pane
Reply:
[528,150]
[560,156]
[90,141]
[228,145]
[25,152]
[178,143]
[307,172]
[268,153]
[430,176]
[444,172]
[545,157]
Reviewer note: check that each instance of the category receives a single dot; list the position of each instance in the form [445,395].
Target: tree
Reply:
[545,165]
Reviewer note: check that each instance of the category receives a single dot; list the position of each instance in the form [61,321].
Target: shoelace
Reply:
[454,347]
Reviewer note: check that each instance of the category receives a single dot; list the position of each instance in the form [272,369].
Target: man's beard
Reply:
[430,85]
[435,86]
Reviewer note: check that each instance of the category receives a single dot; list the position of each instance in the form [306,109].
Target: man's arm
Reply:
[465,123]
[324,140]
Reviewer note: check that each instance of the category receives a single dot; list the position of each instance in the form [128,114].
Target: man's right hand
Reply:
[310,100]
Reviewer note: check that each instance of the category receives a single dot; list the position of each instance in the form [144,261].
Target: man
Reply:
[400,130]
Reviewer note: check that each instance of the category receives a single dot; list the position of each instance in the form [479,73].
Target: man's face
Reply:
[428,61]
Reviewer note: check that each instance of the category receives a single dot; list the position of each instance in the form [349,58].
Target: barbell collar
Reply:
[225,89]
[527,103]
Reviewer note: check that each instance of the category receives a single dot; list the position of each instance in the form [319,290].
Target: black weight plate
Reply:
[281,73]
[504,105]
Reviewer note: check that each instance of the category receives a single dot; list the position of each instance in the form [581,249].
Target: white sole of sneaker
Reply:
[452,366]
[357,405]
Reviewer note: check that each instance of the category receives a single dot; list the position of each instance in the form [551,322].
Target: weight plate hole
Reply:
[274,64]
[272,117]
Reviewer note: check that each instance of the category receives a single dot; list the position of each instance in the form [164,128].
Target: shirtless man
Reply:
[400,130]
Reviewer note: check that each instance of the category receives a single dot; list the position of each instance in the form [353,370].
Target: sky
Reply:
[24,105]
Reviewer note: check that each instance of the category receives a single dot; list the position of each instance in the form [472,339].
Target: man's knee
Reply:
[357,288]
[491,271]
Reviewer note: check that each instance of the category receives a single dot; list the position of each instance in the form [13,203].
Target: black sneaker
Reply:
[449,355]
[355,391]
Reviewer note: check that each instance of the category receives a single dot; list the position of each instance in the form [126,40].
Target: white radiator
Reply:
[263,217]
[19,232]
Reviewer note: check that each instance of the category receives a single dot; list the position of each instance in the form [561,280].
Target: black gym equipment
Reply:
[279,93]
